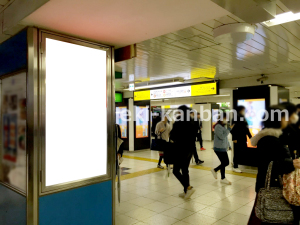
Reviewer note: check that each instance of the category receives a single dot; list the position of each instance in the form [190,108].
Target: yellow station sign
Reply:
[177,92]
[204,89]
[142,95]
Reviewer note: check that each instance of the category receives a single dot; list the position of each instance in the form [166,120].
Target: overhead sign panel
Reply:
[177,92]
[204,89]
[142,95]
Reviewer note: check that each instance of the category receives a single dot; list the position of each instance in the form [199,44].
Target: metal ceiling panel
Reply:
[245,9]
[293,5]
[3,2]
[273,51]
[226,20]
[18,10]
[204,41]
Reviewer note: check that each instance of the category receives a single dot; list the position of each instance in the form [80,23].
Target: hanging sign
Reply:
[177,92]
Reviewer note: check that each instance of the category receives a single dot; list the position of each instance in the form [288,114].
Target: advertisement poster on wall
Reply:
[142,115]
[254,113]
[121,117]
[13,157]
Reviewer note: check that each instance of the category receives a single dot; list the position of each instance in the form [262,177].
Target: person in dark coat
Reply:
[271,149]
[298,108]
[183,136]
[199,132]
[239,133]
[293,119]
[196,124]
[120,150]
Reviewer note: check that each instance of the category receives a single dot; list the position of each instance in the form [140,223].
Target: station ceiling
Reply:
[174,40]
[192,53]
[122,22]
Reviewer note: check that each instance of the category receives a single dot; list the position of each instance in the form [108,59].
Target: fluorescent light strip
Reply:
[155,85]
[282,18]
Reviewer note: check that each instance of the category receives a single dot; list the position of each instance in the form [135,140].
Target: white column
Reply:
[131,124]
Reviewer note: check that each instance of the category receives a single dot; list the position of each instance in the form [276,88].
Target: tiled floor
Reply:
[153,199]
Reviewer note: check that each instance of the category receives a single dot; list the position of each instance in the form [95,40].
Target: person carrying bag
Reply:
[291,187]
[291,191]
[162,132]
[271,206]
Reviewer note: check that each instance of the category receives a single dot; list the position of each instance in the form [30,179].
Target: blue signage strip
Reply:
[13,54]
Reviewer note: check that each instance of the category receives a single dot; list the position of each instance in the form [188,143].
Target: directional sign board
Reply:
[177,92]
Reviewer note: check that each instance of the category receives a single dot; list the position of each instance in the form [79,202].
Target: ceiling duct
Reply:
[251,11]
[234,33]
[293,5]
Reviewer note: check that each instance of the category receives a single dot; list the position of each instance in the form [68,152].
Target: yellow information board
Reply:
[177,92]
[204,89]
[142,95]
[208,72]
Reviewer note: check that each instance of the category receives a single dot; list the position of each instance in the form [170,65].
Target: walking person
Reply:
[162,131]
[293,119]
[196,124]
[293,140]
[155,120]
[271,149]
[298,108]
[199,132]
[221,145]
[120,144]
[239,136]
[183,136]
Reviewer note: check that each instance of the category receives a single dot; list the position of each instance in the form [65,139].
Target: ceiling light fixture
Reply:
[283,18]
[234,33]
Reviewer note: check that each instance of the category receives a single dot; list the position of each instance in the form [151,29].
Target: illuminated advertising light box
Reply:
[142,121]
[121,116]
[177,92]
[76,112]
[254,114]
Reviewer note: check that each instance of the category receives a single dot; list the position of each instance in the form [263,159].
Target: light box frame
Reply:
[44,190]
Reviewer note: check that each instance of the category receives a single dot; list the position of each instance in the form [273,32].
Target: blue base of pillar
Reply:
[90,205]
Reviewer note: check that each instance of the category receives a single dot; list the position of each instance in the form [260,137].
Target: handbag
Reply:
[291,187]
[157,143]
[271,206]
